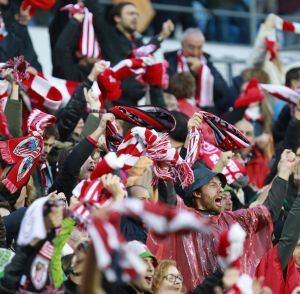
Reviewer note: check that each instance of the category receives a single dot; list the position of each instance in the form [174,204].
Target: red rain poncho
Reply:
[196,253]
[270,268]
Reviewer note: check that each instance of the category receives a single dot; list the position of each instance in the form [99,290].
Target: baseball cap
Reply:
[142,250]
[202,177]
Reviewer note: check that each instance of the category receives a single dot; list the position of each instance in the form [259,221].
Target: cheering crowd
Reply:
[195,190]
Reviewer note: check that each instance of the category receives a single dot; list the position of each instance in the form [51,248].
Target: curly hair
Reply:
[160,272]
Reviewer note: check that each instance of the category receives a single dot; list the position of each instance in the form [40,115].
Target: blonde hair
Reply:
[160,272]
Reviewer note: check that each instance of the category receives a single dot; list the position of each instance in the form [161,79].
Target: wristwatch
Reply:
[95,111]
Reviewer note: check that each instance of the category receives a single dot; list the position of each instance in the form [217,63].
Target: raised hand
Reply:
[167,29]
[286,164]
[92,99]
[195,121]
[98,68]
[112,183]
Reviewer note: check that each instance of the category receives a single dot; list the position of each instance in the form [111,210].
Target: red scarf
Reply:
[24,152]
[205,81]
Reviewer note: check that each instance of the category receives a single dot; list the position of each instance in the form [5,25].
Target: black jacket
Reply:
[65,63]
[74,110]
[68,177]
[58,22]
[116,47]
[3,243]
[221,90]
[18,42]
[281,124]
[20,265]
[133,230]
[288,134]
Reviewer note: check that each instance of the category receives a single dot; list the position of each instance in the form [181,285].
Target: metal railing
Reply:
[252,15]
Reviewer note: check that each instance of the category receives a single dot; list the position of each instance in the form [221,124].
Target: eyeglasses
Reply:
[172,278]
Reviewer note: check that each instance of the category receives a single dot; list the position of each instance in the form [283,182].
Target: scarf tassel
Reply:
[5,154]
[10,186]
[184,174]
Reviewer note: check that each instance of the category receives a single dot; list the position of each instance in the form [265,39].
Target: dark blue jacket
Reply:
[221,90]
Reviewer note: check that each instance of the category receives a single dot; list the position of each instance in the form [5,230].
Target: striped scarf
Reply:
[139,141]
[284,26]
[205,81]
[88,44]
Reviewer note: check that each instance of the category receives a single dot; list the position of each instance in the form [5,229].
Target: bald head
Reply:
[192,43]
[138,192]
[247,129]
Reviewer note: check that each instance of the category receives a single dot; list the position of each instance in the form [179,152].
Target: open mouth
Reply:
[218,201]
[91,168]
[149,279]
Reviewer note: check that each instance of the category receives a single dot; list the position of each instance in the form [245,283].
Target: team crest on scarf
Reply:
[29,146]
[25,167]
[39,272]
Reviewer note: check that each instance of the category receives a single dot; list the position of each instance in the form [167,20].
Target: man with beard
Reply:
[204,197]
[118,36]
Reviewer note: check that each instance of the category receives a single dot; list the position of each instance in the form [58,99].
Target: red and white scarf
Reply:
[139,141]
[143,51]
[155,75]
[231,246]
[114,258]
[230,250]
[18,65]
[39,269]
[160,218]
[91,194]
[284,26]
[42,94]
[194,148]
[24,152]
[148,72]
[282,92]
[205,81]
[88,44]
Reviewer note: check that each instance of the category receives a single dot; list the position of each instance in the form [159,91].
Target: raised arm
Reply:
[278,191]
[290,234]
[76,107]
[67,178]
[13,112]
[64,62]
